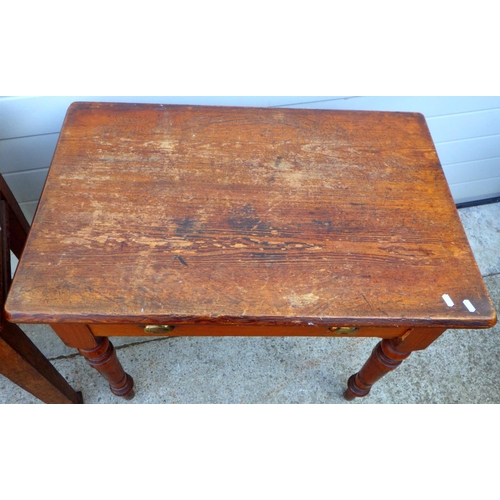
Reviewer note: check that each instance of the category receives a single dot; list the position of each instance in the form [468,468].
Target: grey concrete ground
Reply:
[460,367]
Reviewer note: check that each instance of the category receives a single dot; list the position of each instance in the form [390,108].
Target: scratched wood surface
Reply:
[157,213]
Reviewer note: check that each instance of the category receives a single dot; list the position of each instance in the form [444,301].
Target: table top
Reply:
[198,214]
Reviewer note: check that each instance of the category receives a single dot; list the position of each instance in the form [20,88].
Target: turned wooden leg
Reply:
[100,354]
[386,356]
[103,358]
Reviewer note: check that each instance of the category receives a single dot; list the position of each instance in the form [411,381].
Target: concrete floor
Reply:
[460,367]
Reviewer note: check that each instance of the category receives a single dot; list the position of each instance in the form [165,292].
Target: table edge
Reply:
[475,322]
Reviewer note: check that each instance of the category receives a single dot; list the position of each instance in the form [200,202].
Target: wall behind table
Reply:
[466,131]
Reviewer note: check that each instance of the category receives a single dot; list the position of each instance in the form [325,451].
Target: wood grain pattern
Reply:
[207,215]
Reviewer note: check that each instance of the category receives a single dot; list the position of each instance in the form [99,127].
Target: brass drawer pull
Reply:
[158,329]
[344,329]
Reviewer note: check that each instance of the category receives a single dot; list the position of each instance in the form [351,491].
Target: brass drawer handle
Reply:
[158,329]
[344,329]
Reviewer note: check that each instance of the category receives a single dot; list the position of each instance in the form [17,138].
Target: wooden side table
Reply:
[247,221]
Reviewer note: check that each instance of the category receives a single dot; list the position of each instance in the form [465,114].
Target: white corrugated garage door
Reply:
[466,131]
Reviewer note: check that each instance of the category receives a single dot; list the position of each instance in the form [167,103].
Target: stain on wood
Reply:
[182,261]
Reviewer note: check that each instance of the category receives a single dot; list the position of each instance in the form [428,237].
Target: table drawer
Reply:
[113,330]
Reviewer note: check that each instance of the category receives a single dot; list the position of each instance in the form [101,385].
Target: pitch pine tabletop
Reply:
[251,221]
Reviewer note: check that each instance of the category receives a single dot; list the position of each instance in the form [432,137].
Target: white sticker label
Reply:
[448,300]
[469,306]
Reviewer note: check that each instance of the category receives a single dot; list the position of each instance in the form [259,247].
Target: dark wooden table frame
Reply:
[247,221]
[20,360]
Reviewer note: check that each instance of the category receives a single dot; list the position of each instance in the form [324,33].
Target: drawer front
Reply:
[111,330]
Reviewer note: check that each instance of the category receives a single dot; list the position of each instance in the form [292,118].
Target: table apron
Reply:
[130,330]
